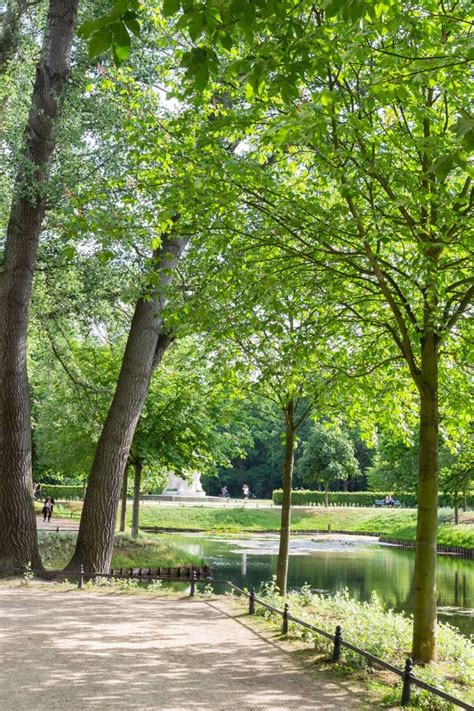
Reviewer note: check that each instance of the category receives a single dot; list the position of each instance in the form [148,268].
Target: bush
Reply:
[356,498]
[63,493]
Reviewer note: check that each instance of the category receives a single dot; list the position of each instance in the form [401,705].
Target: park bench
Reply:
[381,502]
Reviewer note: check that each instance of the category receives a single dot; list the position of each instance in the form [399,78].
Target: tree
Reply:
[18,544]
[328,456]
[378,192]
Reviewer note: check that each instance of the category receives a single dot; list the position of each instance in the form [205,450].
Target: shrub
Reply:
[356,498]
[63,493]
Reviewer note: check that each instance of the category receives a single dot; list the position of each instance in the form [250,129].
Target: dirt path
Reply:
[71,650]
[64,524]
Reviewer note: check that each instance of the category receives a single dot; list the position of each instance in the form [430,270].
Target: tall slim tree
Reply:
[17,521]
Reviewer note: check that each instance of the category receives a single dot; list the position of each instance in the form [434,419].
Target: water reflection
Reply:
[360,564]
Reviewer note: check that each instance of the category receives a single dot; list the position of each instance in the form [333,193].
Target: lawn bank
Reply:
[395,524]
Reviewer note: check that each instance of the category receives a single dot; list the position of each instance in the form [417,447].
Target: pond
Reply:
[332,563]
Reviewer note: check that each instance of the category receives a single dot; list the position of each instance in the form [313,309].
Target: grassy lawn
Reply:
[57,549]
[392,523]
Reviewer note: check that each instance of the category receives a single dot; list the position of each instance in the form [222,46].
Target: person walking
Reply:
[246,491]
[48,508]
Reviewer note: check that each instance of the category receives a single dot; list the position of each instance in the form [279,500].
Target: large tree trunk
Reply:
[136,496]
[424,605]
[326,494]
[144,350]
[123,511]
[283,552]
[18,544]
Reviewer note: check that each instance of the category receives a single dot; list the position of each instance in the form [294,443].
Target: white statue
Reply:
[178,486]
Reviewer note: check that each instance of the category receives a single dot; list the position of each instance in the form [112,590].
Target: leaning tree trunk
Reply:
[144,350]
[138,465]
[18,544]
[283,552]
[424,604]
[123,510]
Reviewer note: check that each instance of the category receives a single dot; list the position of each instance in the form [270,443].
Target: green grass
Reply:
[391,523]
[383,633]
[57,549]
[398,524]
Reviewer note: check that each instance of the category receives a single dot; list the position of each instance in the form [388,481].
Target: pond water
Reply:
[332,563]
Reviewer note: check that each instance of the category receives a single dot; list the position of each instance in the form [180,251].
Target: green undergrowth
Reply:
[57,548]
[383,633]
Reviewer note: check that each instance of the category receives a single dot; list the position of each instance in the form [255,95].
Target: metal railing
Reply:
[408,678]
[407,675]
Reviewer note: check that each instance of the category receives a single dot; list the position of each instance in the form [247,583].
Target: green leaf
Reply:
[121,38]
[170,7]
[132,23]
[100,42]
[87,28]
[442,166]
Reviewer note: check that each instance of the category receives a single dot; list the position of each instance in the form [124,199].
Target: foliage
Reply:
[343,498]
[381,632]
[61,492]
[328,456]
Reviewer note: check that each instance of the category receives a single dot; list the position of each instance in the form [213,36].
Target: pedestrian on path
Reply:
[48,508]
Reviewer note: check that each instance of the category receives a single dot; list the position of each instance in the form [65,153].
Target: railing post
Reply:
[336,654]
[80,583]
[284,627]
[252,601]
[407,677]
[192,590]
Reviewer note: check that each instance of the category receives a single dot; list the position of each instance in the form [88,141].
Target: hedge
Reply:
[357,498]
[64,493]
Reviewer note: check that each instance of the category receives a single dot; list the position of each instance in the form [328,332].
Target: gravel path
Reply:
[71,650]
[64,524]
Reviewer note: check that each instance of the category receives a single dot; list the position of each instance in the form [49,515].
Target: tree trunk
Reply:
[424,605]
[136,497]
[123,512]
[18,544]
[326,494]
[144,350]
[283,552]
[456,508]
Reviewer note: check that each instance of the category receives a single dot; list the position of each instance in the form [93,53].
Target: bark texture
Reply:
[145,347]
[18,544]
[138,466]
[424,604]
[283,551]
